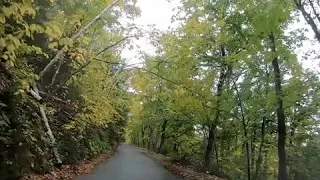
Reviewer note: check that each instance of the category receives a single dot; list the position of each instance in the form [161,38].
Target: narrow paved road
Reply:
[129,164]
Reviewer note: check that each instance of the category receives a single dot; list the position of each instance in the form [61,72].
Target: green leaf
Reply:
[15,40]
[36,28]
[53,45]
[66,41]
[86,40]
[2,42]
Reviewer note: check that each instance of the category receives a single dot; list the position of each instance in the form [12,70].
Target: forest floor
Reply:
[178,170]
[70,172]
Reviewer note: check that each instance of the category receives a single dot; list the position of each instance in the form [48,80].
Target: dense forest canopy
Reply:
[225,91]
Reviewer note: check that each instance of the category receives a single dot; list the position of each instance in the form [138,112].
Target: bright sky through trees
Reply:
[159,13]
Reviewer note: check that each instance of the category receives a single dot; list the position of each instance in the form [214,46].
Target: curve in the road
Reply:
[129,164]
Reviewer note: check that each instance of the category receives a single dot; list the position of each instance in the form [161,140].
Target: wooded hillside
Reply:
[227,94]
[63,96]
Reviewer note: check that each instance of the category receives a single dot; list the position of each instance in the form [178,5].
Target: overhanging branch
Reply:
[74,37]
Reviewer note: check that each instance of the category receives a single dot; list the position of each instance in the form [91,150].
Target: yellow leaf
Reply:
[2,42]
[53,45]
[66,41]
[86,40]
[36,28]
[5,57]
[2,19]
[10,63]
[15,40]
[108,1]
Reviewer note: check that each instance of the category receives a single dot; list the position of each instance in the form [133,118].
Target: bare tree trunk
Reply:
[35,93]
[280,115]
[50,134]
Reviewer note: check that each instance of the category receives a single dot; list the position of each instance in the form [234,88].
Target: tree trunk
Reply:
[35,93]
[244,125]
[265,166]
[209,148]
[216,151]
[260,160]
[314,10]
[280,115]
[163,136]
[308,18]
[253,151]
[260,153]
[142,137]
[150,139]
[212,127]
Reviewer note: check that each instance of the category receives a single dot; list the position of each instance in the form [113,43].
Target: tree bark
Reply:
[150,139]
[260,155]
[314,10]
[209,147]
[253,150]
[212,127]
[163,136]
[244,125]
[280,114]
[260,159]
[142,137]
[308,18]
[35,93]
[50,134]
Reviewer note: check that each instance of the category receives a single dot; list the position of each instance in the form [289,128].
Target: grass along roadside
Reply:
[178,170]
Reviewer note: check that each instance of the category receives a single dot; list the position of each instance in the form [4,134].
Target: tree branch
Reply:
[308,18]
[78,34]
[53,97]
[35,95]
[314,10]
[112,45]
[56,73]
[95,58]
[194,93]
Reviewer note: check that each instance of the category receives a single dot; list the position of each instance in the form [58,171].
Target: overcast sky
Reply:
[156,12]
[159,13]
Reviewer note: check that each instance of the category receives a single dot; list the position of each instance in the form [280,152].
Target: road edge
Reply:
[177,170]
[74,171]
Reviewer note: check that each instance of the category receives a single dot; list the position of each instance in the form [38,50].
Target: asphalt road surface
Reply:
[129,164]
